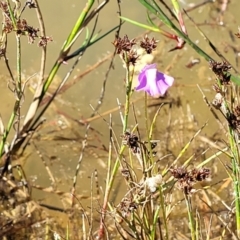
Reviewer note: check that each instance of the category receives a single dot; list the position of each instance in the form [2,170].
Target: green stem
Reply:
[129,78]
[148,132]
[192,223]
[72,37]
[163,206]
[125,123]
[235,175]
[12,15]
[6,132]
[156,215]
[19,68]
[18,86]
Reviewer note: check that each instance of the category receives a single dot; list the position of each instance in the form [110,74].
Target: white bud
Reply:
[153,182]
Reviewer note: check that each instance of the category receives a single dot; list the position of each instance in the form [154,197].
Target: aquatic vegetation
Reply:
[160,174]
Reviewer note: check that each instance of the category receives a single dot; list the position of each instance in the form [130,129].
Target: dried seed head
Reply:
[234,119]
[124,44]
[186,179]
[200,174]
[25,29]
[178,173]
[4,7]
[127,205]
[7,25]
[131,140]
[31,4]
[148,44]
[44,41]
[221,70]
[132,57]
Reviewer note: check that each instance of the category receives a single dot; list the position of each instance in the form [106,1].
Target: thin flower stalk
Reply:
[192,224]
[12,15]
[109,184]
[235,175]
[129,78]
[231,113]
[164,213]
[18,85]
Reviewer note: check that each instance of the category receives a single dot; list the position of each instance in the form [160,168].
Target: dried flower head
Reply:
[179,173]
[127,205]
[4,8]
[132,57]
[124,44]
[234,119]
[31,4]
[222,71]
[44,41]
[148,44]
[131,140]
[187,179]
[199,175]
[153,144]
[7,25]
[25,29]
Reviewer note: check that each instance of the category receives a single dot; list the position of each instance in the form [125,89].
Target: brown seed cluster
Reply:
[124,44]
[234,119]
[22,27]
[7,23]
[124,47]
[148,44]
[127,206]
[221,69]
[187,179]
[25,29]
[131,140]
[7,26]
[4,8]
[31,4]
[44,41]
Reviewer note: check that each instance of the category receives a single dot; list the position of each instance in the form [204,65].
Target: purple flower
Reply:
[153,82]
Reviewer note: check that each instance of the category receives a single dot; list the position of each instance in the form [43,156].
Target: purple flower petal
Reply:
[153,82]
[164,82]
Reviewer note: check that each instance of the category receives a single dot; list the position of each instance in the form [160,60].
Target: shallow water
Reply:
[60,139]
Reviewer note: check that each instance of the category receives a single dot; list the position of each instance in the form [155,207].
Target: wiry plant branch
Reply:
[102,94]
